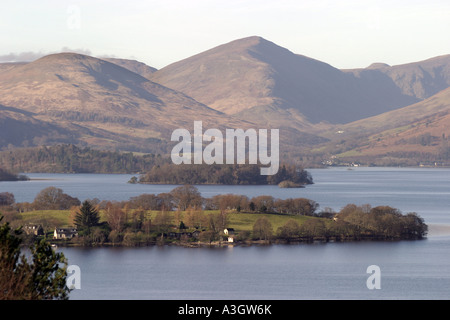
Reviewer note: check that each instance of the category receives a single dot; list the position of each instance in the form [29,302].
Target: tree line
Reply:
[96,117]
[180,198]
[73,159]
[359,223]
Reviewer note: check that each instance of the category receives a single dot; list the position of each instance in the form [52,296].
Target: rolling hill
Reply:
[100,103]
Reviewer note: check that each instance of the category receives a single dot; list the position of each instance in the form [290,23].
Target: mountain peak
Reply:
[378,65]
[239,45]
[251,40]
[64,56]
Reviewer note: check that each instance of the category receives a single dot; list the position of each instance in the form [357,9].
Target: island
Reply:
[183,217]
[9,176]
[288,175]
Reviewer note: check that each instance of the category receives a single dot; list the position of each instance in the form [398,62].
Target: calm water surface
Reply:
[409,269]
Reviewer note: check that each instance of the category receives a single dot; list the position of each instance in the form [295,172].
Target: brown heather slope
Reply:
[415,133]
[102,103]
[135,66]
[5,66]
[257,79]
[436,105]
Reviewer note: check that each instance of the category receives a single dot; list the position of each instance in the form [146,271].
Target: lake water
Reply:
[409,269]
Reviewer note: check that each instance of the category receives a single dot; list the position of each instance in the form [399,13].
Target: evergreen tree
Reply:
[87,217]
[48,278]
[42,279]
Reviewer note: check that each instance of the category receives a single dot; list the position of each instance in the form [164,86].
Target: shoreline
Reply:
[224,244]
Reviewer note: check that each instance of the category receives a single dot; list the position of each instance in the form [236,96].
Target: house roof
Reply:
[65,230]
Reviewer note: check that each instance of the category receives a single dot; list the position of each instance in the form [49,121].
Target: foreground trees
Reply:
[42,278]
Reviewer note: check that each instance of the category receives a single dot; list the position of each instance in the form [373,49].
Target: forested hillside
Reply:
[73,159]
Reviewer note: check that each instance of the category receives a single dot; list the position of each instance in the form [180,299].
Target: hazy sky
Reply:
[343,33]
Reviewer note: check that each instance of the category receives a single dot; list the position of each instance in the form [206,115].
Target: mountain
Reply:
[101,103]
[256,79]
[419,80]
[133,65]
[247,83]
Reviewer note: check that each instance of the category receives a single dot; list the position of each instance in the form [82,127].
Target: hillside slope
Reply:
[102,103]
[253,77]
[411,135]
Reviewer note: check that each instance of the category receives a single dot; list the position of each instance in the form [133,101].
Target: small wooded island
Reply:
[288,175]
[9,176]
[183,217]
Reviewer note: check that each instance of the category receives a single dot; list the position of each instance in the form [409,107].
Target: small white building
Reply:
[228,231]
[65,233]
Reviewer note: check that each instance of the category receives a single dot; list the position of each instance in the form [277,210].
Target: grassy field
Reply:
[47,218]
[245,221]
[239,221]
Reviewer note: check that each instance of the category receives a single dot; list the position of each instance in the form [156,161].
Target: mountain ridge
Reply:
[254,73]
[251,82]
[104,99]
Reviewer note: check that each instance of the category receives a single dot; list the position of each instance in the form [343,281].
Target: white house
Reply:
[65,233]
[228,231]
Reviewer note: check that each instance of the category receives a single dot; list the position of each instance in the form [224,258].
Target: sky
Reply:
[342,33]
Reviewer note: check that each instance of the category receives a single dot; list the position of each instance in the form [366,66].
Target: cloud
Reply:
[29,56]
[80,51]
